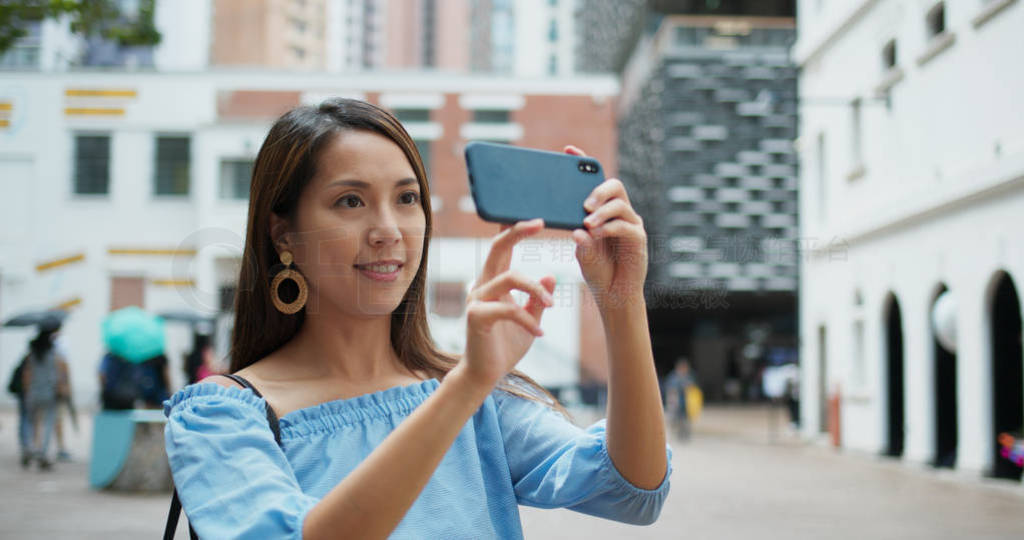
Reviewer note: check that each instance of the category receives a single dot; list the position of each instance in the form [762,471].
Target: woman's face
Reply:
[358,232]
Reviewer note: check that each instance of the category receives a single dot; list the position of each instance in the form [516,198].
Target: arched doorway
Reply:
[945,391]
[1007,370]
[894,379]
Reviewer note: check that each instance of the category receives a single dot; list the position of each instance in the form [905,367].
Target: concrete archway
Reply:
[944,386]
[1007,364]
[895,406]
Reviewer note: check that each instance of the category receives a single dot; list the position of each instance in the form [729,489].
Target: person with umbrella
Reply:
[135,366]
[48,323]
[40,381]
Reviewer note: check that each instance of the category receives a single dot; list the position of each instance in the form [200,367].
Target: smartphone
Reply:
[511,184]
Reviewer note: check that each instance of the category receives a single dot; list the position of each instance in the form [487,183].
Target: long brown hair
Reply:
[284,166]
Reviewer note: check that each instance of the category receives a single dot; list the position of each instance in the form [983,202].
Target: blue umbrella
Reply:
[134,334]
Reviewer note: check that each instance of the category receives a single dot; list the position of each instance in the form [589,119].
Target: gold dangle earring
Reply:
[294,275]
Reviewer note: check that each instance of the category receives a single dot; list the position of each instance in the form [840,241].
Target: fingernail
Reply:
[549,300]
[589,203]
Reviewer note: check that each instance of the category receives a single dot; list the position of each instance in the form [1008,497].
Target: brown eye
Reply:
[349,201]
[410,197]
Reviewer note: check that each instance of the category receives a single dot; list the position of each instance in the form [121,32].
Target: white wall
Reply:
[940,200]
[185,27]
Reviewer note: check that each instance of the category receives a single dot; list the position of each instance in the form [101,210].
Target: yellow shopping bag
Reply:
[694,402]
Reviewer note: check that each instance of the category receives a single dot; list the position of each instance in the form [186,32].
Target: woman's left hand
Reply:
[612,247]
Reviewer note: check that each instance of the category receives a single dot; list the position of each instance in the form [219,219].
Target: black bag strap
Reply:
[175,511]
[172,520]
[271,415]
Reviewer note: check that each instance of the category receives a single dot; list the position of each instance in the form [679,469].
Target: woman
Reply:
[381,433]
[40,381]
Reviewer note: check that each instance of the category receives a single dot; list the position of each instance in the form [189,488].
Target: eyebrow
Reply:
[366,185]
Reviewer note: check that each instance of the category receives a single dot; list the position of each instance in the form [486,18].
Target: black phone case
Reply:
[511,184]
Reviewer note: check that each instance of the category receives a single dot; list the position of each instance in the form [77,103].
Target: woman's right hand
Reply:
[499,331]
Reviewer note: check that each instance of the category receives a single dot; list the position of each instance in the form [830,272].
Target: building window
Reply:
[449,298]
[552,65]
[412,115]
[429,30]
[299,52]
[936,20]
[889,55]
[423,147]
[92,164]
[173,161]
[235,178]
[491,116]
[553,30]
[298,25]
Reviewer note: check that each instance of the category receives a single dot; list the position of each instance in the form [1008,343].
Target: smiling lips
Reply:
[381,270]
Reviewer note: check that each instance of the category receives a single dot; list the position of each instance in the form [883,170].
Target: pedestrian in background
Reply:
[16,386]
[154,382]
[119,386]
[40,380]
[677,386]
[197,365]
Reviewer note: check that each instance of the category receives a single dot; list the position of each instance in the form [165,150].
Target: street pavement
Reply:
[743,475]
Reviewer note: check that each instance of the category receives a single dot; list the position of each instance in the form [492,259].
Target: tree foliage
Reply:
[89,18]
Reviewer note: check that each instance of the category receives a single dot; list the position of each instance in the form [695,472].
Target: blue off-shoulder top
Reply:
[234,481]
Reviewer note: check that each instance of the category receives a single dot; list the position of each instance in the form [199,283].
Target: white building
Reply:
[912,152]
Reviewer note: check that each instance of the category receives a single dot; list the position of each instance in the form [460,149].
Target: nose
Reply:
[385,231]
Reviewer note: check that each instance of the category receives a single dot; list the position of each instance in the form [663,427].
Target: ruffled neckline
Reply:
[324,416]
[402,398]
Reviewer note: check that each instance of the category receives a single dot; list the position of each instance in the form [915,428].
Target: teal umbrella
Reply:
[134,334]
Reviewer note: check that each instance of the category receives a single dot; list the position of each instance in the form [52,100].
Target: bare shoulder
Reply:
[254,373]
